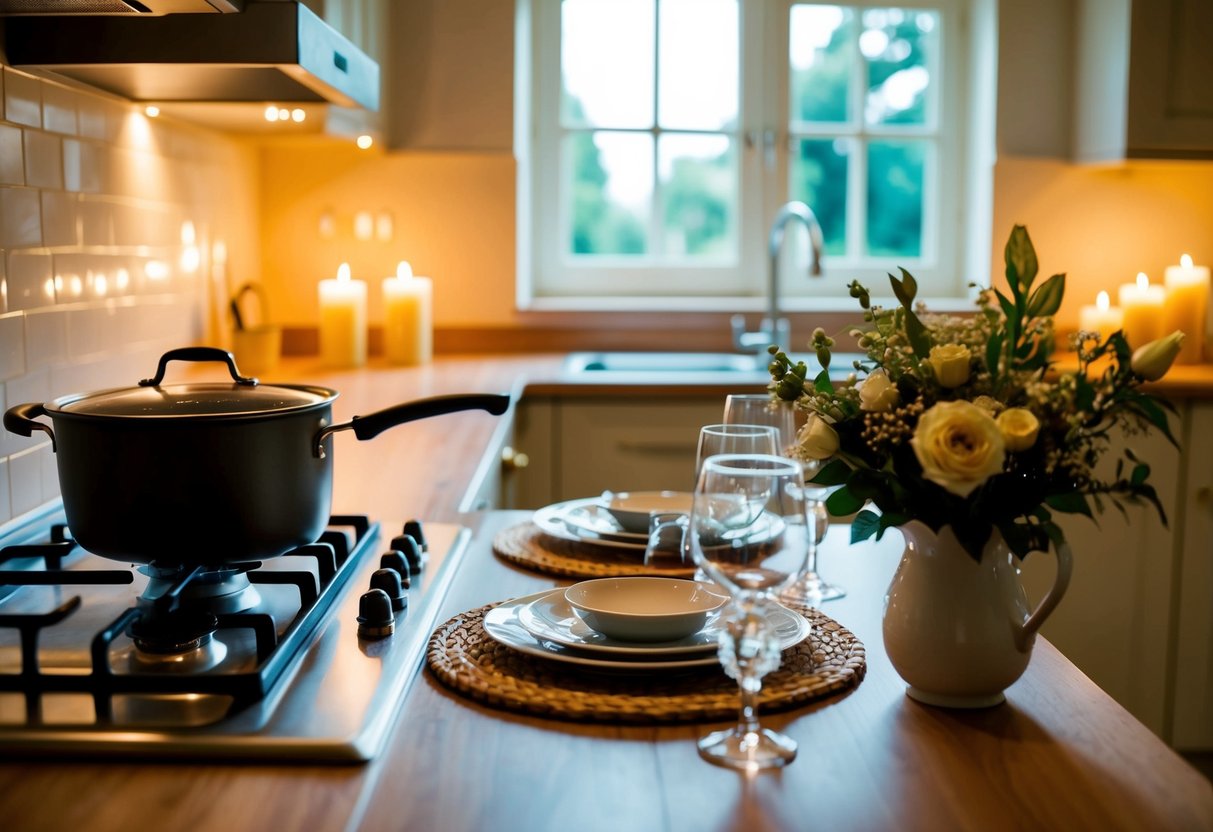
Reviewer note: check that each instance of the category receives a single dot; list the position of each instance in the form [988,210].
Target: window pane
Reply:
[699,54]
[611,191]
[821,58]
[699,192]
[895,177]
[606,63]
[819,178]
[898,45]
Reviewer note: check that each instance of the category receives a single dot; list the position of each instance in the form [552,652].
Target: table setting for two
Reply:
[672,588]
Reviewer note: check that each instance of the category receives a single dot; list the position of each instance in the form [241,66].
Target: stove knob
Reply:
[389,581]
[375,617]
[395,560]
[413,529]
[407,544]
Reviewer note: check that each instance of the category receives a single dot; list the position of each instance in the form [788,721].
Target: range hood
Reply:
[272,51]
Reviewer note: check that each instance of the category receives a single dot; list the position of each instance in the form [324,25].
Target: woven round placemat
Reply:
[527,546]
[466,660]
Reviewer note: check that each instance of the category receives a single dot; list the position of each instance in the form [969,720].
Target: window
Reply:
[667,133]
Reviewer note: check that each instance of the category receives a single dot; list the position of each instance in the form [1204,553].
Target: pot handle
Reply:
[19,419]
[1065,564]
[198,354]
[373,424]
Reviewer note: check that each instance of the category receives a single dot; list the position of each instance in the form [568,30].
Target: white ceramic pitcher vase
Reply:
[959,631]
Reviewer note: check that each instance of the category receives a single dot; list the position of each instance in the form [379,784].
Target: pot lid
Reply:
[197,400]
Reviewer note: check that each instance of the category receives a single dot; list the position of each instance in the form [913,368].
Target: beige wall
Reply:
[93,287]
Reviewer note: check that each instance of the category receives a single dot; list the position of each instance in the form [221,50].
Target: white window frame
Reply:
[549,279]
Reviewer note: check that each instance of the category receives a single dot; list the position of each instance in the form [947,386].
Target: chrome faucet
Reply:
[775,329]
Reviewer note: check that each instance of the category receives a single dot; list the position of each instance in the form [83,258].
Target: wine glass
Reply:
[748,529]
[752,438]
[809,588]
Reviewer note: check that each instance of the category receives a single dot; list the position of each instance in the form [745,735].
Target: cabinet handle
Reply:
[663,448]
[512,460]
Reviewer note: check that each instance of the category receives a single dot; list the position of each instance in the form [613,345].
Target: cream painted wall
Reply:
[452,215]
[1100,225]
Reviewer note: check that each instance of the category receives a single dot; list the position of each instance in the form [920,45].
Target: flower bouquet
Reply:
[963,421]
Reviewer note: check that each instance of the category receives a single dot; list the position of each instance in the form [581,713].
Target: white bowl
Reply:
[643,609]
[632,509]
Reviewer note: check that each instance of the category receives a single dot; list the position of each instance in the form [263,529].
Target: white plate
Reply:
[552,521]
[503,626]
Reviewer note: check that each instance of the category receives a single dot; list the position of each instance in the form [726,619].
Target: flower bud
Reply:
[1019,427]
[1151,361]
[817,439]
[951,364]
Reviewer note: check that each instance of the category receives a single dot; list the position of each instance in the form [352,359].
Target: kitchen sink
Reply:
[603,364]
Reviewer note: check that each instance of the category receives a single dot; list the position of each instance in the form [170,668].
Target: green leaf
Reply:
[1069,503]
[903,295]
[834,472]
[1148,407]
[911,286]
[1046,300]
[993,351]
[842,502]
[1148,492]
[891,519]
[822,383]
[1021,261]
[865,524]
[1008,307]
[1140,473]
[920,338]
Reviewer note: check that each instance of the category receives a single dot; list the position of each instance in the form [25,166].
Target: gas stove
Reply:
[305,657]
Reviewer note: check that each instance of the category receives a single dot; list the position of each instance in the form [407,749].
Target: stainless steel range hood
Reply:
[269,52]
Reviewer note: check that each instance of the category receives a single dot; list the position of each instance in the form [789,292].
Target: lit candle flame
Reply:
[343,272]
[1186,261]
[1102,302]
[1143,282]
[403,270]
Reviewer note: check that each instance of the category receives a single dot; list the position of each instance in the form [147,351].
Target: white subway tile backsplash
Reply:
[96,222]
[12,345]
[50,473]
[22,98]
[12,157]
[43,159]
[28,274]
[45,337]
[20,218]
[25,479]
[84,166]
[58,109]
[6,506]
[58,219]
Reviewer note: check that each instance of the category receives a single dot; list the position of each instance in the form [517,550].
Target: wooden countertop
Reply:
[1061,754]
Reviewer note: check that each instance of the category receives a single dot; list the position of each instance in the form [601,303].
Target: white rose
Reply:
[1019,428]
[877,394]
[959,446]
[951,364]
[817,439]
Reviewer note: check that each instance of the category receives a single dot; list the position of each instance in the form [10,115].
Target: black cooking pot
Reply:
[205,473]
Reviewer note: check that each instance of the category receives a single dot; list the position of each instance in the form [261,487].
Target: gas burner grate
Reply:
[334,559]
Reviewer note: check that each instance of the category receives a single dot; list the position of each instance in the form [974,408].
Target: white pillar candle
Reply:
[408,332]
[1102,318]
[343,320]
[1142,306]
[1186,307]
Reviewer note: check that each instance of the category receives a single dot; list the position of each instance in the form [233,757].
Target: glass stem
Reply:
[747,717]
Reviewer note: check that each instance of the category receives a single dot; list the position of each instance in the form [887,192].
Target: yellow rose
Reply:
[989,404]
[817,439]
[1019,428]
[959,446]
[877,394]
[951,364]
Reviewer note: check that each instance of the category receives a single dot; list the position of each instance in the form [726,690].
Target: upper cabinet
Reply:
[449,75]
[1142,86]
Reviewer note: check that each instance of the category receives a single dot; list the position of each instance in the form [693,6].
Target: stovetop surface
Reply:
[336,701]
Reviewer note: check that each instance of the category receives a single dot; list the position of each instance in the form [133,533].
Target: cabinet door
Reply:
[624,446]
[1114,621]
[1192,726]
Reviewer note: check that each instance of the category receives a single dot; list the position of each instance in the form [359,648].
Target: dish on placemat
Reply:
[504,625]
[632,509]
[579,521]
[644,608]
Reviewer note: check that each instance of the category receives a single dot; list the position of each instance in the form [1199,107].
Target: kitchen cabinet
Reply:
[1192,721]
[579,447]
[1141,80]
